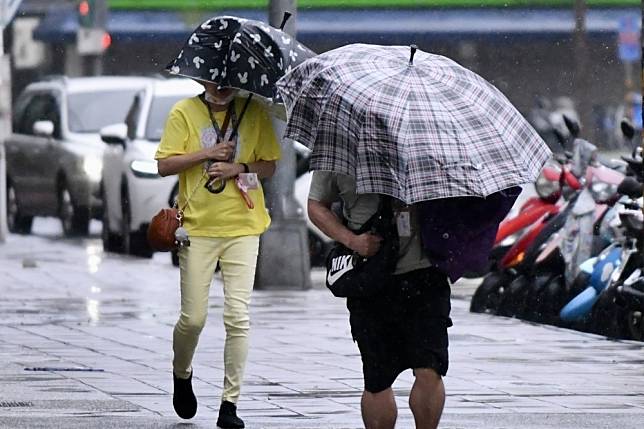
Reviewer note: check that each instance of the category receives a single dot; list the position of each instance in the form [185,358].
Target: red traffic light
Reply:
[83,8]
[106,41]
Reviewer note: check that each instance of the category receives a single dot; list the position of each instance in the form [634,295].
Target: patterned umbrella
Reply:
[416,129]
[239,53]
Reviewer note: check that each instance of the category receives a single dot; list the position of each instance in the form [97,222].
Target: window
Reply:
[158,113]
[19,111]
[41,107]
[132,118]
[90,111]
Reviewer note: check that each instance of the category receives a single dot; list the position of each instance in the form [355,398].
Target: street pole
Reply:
[284,260]
[5,129]
[90,35]
[8,9]
[581,72]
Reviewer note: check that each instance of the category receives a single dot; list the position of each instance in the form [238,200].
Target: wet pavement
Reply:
[94,330]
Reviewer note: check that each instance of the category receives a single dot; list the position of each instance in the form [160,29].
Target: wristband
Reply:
[246,170]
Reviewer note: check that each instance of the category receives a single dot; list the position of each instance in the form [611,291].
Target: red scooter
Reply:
[555,180]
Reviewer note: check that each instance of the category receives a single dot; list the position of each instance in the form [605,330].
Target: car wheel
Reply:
[16,221]
[110,240]
[75,220]
[132,242]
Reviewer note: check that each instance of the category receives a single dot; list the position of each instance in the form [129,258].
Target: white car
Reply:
[133,192]
[54,153]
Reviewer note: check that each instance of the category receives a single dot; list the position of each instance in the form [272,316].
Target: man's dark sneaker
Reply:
[228,416]
[183,399]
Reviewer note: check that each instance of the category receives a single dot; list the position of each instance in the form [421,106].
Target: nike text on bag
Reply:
[351,275]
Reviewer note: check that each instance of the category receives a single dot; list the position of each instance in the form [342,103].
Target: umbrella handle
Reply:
[285,18]
[216,185]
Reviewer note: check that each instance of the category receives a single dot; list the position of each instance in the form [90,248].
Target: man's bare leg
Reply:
[379,409]
[427,398]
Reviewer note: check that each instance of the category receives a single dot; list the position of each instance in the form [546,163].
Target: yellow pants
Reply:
[237,259]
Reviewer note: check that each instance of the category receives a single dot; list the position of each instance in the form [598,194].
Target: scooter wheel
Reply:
[534,297]
[552,300]
[635,325]
[488,294]
[513,297]
[607,317]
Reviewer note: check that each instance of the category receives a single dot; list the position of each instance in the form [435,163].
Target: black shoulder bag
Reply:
[352,275]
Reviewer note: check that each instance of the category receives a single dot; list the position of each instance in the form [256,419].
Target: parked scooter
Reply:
[614,311]
[596,273]
[630,296]
[594,276]
[542,289]
[540,292]
[538,219]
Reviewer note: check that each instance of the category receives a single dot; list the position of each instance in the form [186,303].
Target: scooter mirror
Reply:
[630,187]
[627,128]
[572,125]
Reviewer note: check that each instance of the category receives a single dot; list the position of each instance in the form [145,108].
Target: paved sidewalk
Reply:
[66,305]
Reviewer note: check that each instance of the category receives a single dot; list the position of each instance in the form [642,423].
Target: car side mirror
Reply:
[43,128]
[115,134]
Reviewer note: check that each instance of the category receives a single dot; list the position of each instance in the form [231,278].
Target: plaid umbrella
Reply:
[416,129]
[239,53]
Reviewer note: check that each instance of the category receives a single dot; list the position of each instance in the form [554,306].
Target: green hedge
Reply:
[348,4]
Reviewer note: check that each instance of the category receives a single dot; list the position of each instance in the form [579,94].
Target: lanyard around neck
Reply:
[230,115]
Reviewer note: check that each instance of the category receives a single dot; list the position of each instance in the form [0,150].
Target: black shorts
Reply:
[404,328]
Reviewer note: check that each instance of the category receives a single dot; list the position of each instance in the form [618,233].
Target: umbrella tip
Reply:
[413,49]
[285,18]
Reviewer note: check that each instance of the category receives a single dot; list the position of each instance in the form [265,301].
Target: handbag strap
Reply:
[230,113]
[201,181]
[222,183]
[384,211]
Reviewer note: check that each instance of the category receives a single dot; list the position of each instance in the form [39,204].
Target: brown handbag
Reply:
[162,228]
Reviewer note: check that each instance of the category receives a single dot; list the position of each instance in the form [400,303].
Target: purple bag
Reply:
[458,233]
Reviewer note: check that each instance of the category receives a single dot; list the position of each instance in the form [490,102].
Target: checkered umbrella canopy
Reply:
[416,130]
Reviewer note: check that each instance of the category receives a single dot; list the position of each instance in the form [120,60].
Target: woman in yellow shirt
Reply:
[223,228]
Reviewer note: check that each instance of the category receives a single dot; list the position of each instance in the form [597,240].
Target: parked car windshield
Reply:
[158,113]
[88,112]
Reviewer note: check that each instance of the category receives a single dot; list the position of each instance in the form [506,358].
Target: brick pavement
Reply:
[66,304]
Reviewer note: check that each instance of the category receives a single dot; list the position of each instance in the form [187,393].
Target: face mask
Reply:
[221,102]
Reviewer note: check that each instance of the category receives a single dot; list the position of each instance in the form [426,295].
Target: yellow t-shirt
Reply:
[225,214]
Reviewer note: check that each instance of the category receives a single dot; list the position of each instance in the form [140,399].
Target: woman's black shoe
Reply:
[228,416]
[183,399]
